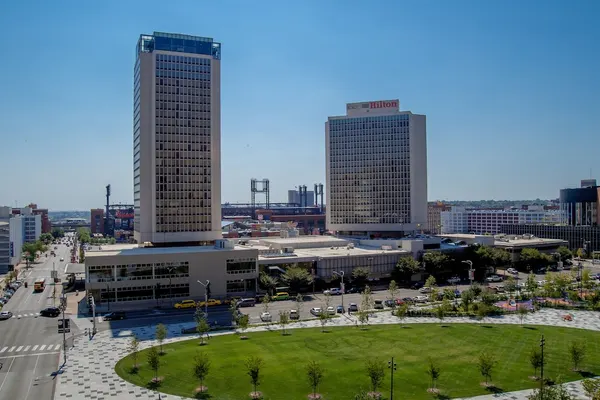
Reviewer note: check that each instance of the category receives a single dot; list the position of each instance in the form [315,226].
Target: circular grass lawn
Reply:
[343,352]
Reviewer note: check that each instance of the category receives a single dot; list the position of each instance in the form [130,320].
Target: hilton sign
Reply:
[374,105]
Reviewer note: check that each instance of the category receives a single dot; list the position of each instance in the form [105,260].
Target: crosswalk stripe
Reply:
[19,316]
[42,347]
[26,348]
[33,349]
[3,349]
[19,348]
[11,349]
[57,347]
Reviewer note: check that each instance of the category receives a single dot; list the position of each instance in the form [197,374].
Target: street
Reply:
[30,344]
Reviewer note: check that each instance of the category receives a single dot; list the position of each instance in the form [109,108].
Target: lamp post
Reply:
[170,269]
[471,270]
[392,367]
[341,275]
[206,292]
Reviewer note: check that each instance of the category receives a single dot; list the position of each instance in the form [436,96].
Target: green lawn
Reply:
[343,351]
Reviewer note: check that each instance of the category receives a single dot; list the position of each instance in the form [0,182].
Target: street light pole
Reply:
[392,367]
[542,344]
[205,295]
[341,275]
[170,269]
[471,270]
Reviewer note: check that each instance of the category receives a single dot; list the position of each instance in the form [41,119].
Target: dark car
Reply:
[417,285]
[114,316]
[354,289]
[390,303]
[50,312]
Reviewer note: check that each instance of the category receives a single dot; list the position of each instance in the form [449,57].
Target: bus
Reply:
[39,285]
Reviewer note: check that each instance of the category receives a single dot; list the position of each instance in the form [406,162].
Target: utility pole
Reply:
[392,367]
[206,293]
[343,289]
[63,306]
[542,344]
[54,283]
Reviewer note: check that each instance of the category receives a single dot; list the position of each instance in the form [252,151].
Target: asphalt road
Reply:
[29,344]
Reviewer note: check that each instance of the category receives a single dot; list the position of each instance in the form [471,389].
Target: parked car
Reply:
[352,307]
[425,290]
[3,301]
[390,303]
[421,299]
[454,280]
[512,271]
[331,310]
[417,285]
[316,311]
[281,296]
[333,291]
[185,304]
[456,293]
[494,278]
[50,312]
[354,289]
[408,300]
[5,315]
[265,317]
[340,309]
[294,314]
[210,303]
[378,304]
[249,302]
[117,315]
[62,259]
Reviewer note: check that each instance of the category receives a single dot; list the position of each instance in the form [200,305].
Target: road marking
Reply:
[57,347]
[42,347]
[12,348]
[31,355]
[33,349]
[6,375]
[19,349]
[19,316]
[26,348]
[31,381]
[3,349]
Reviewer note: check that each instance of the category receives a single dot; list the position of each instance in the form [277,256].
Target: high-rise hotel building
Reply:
[376,166]
[177,139]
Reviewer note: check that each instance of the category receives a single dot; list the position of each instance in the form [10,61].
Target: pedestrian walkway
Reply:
[29,348]
[25,315]
[90,373]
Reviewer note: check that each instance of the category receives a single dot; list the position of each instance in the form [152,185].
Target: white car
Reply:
[62,259]
[331,310]
[454,280]
[316,311]
[333,291]
[421,299]
[265,317]
[494,278]
[512,271]
[425,289]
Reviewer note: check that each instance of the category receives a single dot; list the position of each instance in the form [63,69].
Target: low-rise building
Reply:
[132,273]
[575,236]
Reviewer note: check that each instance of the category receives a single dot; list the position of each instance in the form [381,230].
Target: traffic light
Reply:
[66,328]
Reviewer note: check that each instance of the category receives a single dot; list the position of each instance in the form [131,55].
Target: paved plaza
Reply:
[90,373]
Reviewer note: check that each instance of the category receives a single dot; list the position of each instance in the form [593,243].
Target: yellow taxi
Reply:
[186,304]
[210,303]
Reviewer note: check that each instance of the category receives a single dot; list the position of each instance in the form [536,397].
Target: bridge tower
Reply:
[260,186]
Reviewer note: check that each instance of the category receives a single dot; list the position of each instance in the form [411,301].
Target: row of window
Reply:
[185,60]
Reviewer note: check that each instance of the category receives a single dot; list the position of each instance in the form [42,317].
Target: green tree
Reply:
[440,313]
[577,353]
[299,303]
[83,235]
[268,282]
[161,335]
[284,320]
[242,323]
[234,311]
[201,368]
[510,285]
[486,362]
[592,388]
[430,282]
[393,290]
[401,311]
[154,362]
[363,317]
[266,301]
[565,253]
[466,299]
[533,257]
[254,365]
[531,284]
[522,311]
[30,251]
[435,262]
[314,373]
[536,360]
[366,299]
[324,319]
[448,294]
[554,392]
[376,372]
[297,278]
[580,253]
[434,371]
[58,233]
[202,327]
[46,238]
[405,269]
[586,279]
[134,350]
[482,311]
[360,276]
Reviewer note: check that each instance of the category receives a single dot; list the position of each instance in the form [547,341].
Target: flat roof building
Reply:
[177,139]
[376,169]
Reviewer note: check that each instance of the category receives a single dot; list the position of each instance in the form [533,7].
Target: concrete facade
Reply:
[376,169]
[126,273]
[4,247]
[177,139]
[16,239]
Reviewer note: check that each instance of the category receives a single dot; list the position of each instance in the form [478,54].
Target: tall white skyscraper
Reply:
[376,166]
[177,139]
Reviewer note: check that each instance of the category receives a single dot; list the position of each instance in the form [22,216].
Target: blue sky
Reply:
[511,91]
